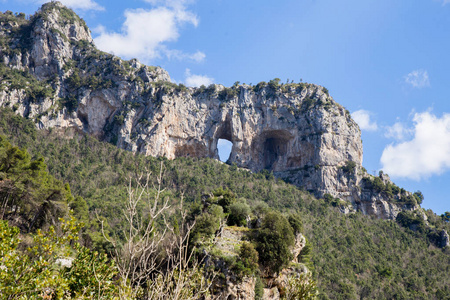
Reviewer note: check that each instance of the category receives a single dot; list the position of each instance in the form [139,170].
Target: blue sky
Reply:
[385,61]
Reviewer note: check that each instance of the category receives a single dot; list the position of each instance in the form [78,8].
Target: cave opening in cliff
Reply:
[224,140]
[224,148]
[274,147]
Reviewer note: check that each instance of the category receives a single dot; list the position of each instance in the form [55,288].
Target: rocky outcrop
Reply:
[297,131]
[228,286]
[444,240]
[241,290]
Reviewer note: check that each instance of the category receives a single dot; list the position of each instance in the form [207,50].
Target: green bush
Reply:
[207,223]
[296,223]
[419,197]
[34,273]
[349,167]
[274,239]
[274,84]
[259,288]
[224,197]
[411,220]
[247,262]
[331,200]
[238,214]
[260,86]
[306,253]
[228,93]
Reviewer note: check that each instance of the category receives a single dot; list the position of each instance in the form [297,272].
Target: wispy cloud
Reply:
[78,4]
[145,32]
[180,55]
[362,118]
[426,154]
[418,79]
[398,131]
[197,80]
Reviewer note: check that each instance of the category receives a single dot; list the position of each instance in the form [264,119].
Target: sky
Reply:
[386,61]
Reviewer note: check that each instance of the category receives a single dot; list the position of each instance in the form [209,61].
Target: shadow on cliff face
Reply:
[274,146]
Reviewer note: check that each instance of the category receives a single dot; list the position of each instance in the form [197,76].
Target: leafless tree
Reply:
[155,261]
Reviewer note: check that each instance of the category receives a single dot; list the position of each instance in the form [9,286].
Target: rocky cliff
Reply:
[52,72]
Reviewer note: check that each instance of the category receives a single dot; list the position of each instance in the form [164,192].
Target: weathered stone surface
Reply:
[271,294]
[242,290]
[296,131]
[300,242]
[444,240]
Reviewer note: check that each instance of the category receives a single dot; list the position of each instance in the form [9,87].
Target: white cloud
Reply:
[197,80]
[418,79]
[362,118]
[180,55]
[444,2]
[397,131]
[426,154]
[78,4]
[145,32]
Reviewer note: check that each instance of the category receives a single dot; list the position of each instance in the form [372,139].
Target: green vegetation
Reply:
[29,196]
[274,84]
[349,167]
[15,79]
[295,220]
[238,214]
[228,93]
[275,238]
[352,256]
[393,192]
[67,16]
[301,287]
[39,272]
[412,221]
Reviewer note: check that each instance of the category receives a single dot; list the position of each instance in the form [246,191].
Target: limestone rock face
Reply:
[242,290]
[444,240]
[296,131]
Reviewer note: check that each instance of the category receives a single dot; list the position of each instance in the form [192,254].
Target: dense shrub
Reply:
[238,214]
[306,254]
[295,220]
[37,273]
[349,167]
[259,288]
[411,220]
[274,84]
[207,223]
[418,196]
[247,261]
[275,237]
[224,197]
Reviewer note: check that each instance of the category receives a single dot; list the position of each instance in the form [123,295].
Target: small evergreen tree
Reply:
[274,241]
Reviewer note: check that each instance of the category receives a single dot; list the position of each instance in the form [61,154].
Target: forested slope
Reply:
[354,256]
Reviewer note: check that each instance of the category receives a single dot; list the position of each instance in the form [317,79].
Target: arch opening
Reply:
[224,148]
[224,138]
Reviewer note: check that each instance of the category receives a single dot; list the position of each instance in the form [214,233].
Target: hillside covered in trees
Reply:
[350,255]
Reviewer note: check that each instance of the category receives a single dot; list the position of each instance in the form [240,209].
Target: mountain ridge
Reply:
[297,131]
